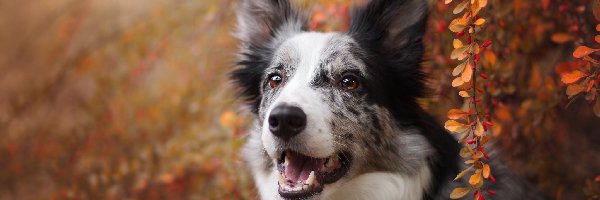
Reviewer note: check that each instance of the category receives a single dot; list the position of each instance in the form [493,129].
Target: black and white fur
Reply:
[398,151]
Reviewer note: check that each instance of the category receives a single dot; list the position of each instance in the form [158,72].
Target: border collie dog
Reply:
[337,114]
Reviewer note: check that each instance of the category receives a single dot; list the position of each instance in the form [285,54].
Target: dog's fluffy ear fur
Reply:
[260,21]
[391,32]
[391,24]
[262,25]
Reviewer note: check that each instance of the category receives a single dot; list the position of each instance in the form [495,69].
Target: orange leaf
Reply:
[582,51]
[565,67]
[458,69]
[457,82]
[457,43]
[464,94]
[486,170]
[503,113]
[490,57]
[460,192]
[597,38]
[456,114]
[456,53]
[479,21]
[463,173]
[598,27]
[475,8]
[475,178]
[482,3]
[574,89]
[465,152]
[457,25]
[496,129]
[485,139]
[455,127]
[572,77]
[561,38]
[447,1]
[467,74]
[460,7]
[479,129]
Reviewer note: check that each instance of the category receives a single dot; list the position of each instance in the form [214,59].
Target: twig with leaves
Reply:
[473,123]
[585,79]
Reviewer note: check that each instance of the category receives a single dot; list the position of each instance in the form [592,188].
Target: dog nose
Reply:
[286,121]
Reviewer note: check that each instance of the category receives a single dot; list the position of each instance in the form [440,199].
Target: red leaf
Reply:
[582,51]
[572,77]
[574,89]
[561,38]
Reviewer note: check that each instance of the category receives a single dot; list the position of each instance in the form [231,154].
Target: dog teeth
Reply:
[285,163]
[311,178]
[304,187]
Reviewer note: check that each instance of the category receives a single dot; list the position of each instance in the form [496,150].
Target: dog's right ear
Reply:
[262,25]
[260,22]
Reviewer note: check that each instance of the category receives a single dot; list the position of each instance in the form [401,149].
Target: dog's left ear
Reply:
[390,25]
[391,31]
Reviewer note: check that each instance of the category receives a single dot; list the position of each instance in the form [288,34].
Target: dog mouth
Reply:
[302,176]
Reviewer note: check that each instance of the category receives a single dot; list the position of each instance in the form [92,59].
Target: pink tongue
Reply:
[300,166]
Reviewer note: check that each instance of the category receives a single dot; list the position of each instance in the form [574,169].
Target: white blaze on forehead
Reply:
[316,140]
[310,48]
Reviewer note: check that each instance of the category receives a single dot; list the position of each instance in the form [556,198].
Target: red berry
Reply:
[480,197]
[487,43]
[441,26]
[502,23]
[562,8]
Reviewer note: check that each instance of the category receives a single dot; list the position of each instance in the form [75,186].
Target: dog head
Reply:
[329,105]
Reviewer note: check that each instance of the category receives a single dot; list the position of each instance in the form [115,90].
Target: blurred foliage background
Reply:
[107,99]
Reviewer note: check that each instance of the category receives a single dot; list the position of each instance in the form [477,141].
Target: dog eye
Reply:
[349,83]
[274,80]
